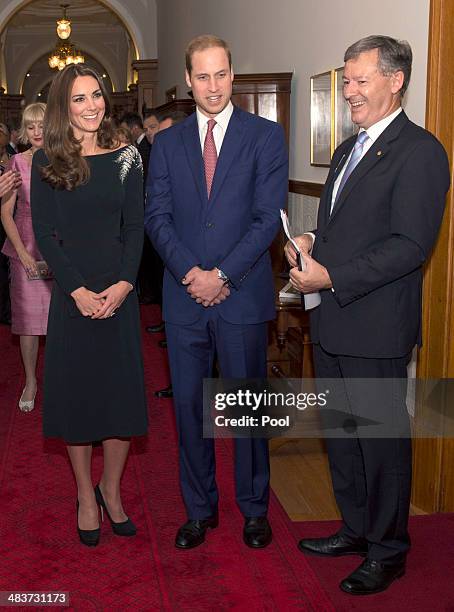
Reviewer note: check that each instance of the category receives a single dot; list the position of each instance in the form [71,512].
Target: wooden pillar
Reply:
[433,480]
[147,83]
[11,106]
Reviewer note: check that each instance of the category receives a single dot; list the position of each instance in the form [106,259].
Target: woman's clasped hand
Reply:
[101,305]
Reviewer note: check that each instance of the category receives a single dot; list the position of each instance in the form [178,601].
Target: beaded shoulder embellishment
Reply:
[128,158]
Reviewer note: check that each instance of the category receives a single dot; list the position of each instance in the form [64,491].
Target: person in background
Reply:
[378,219]
[29,298]
[87,207]
[9,181]
[4,142]
[124,135]
[157,269]
[151,127]
[133,122]
[150,124]
[13,146]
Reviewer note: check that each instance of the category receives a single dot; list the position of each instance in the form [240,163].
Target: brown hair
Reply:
[32,112]
[67,167]
[124,135]
[202,42]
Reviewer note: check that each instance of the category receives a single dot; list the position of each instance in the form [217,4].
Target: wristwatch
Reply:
[224,278]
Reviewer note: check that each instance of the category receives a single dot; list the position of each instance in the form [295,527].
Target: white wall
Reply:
[304,36]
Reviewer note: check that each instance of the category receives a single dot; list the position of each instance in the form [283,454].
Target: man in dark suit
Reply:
[157,270]
[145,142]
[378,219]
[133,122]
[12,148]
[216,184]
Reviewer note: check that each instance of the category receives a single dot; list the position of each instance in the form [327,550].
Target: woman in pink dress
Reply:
[29,298]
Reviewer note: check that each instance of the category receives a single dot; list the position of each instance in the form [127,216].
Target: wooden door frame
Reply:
[433,460]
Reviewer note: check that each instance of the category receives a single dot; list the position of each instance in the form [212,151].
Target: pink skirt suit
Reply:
[29,299]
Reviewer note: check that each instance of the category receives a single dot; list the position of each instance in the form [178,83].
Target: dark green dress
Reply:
[92,237]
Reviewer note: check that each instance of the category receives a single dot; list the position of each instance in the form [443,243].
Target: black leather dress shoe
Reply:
[192,533]
[257,531]
[371,577]
[166,393]
[162,343]
[335,545]
[156,329]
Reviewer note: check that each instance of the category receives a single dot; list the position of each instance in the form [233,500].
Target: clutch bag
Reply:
[43,272]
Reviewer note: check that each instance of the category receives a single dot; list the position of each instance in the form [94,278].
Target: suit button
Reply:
[209,225]
[324,239]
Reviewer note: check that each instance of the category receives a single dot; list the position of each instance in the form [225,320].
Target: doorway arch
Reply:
[119,8]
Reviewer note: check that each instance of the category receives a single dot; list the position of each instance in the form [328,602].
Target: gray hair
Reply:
[393,55]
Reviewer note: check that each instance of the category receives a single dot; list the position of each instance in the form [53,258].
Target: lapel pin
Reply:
[379,153]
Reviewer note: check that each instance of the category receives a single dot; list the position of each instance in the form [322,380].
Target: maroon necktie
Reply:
[210,156]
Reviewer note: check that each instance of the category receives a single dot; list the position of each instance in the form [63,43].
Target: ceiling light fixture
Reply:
[65,51]
[63,24]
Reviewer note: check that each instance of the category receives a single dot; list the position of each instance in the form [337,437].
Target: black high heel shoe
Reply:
[89,537]
[126,528]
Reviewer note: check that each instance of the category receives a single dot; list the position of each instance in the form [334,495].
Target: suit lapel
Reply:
[332,179]
[231,146]
[374,155]
[191,140]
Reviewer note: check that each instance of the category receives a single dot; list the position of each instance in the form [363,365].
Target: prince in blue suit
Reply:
[215,187]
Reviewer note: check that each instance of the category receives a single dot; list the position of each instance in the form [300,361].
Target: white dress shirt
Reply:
[219,130]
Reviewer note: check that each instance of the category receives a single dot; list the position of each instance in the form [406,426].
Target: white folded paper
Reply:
[311,300]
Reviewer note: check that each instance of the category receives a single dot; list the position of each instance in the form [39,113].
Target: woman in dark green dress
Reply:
[87,208]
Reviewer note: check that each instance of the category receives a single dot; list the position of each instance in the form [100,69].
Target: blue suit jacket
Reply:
[233,229]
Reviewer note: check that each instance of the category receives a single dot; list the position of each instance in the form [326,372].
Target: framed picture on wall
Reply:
[343,125]
[321,118]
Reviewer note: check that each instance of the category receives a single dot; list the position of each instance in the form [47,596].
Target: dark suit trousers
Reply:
[371,476]
[149,277]
[241,353]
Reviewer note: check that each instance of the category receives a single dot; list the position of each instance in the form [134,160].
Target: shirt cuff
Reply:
[312,235]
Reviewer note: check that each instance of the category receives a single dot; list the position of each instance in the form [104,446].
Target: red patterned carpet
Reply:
[39,548]
[40,551]
[429,581]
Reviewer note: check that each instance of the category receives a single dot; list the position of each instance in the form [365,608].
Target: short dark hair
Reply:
[393,55]
[150,112]
[202,42]
[131,120]
[176,116]
[14,124]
